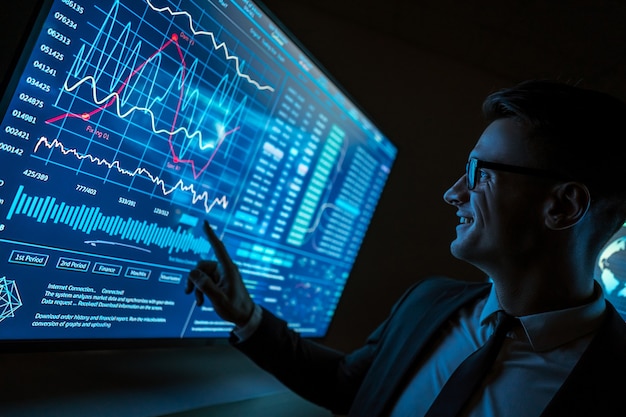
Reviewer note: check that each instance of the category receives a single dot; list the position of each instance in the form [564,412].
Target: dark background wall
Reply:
[418,68]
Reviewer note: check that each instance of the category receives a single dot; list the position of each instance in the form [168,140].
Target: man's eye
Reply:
[482,174]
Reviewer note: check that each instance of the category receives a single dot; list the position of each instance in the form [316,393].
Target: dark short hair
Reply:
[577,132]
[574,131]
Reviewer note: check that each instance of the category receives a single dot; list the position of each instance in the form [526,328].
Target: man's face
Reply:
[501,218]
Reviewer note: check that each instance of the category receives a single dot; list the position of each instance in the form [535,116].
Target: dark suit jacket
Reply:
[368,381]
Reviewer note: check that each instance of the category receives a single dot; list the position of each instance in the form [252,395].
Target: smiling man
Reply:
[542,192]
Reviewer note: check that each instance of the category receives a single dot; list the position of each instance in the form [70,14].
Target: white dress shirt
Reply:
[534,361]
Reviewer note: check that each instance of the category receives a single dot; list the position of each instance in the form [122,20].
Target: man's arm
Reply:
[320,374]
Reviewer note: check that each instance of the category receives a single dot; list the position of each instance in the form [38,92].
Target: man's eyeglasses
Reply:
[474,165]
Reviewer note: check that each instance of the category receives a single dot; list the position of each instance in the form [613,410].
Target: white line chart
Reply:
[162,92]
[208,203]
[216,45]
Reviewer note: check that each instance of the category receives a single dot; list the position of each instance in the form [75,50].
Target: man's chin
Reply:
[460,251]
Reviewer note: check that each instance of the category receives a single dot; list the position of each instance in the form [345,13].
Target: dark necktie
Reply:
[466,378]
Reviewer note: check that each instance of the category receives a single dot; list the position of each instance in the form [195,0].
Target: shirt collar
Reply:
[548,330]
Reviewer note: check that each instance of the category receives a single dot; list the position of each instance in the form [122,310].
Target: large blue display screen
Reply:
[129,122]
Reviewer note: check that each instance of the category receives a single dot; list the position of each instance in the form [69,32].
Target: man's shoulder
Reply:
[437,285]
[439,292]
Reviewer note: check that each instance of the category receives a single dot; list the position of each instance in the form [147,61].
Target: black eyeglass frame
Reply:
[474,164]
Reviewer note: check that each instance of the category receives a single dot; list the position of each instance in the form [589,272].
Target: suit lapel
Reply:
[596,387]
[417,319]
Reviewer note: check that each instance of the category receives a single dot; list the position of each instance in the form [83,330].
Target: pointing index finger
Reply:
[217,245]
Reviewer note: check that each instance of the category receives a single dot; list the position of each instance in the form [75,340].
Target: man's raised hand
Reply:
[221,283]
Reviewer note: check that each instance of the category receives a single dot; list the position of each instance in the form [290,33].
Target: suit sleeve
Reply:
[322,375]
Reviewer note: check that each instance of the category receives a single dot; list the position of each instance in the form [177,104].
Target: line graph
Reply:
[207,202]
[166,94]
[216,45]
[115,98]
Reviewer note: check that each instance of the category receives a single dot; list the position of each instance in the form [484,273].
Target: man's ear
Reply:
[567,205]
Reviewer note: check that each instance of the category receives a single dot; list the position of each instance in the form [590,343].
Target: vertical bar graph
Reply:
[87,220]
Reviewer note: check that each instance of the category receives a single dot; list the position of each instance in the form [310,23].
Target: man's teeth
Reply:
[466,220]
